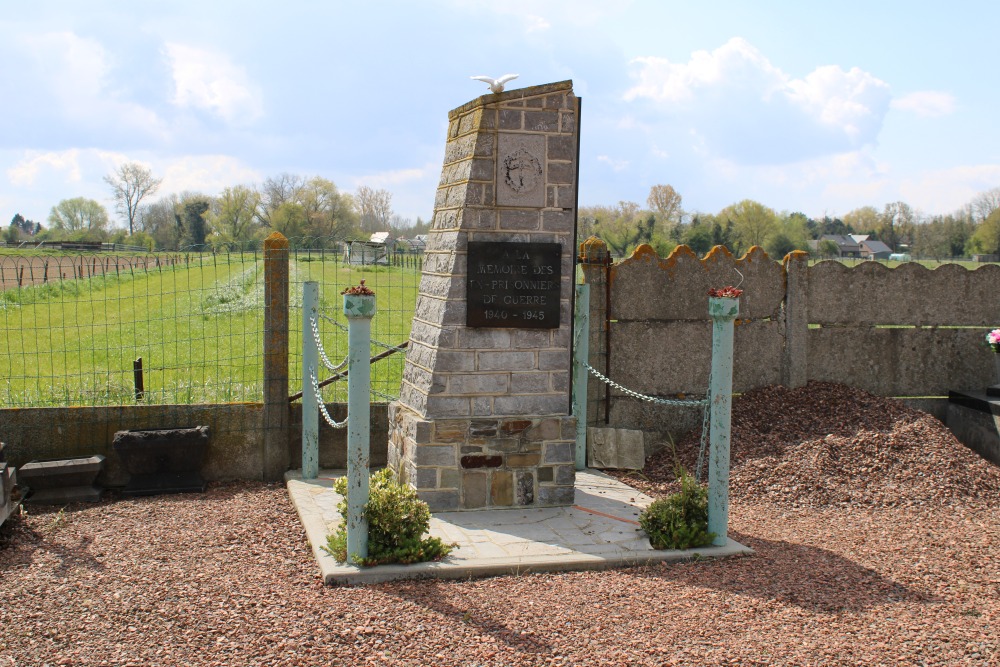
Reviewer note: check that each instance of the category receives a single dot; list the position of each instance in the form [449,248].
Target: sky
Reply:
[818,107]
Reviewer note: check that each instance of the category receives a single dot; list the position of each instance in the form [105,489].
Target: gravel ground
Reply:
[226,578]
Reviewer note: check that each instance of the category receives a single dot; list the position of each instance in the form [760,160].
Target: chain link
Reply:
[693,402]
[319,401]
[686,402]
[383,395]
[319,347]
[377,343]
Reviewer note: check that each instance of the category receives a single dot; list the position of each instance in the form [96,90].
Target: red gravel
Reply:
[226,578]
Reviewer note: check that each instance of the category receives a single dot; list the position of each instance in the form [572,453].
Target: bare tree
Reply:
[375,207]
[130,184]
[985,203]
[282,189]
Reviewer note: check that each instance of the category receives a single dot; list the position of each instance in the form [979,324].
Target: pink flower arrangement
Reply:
[993,338]
[731,292]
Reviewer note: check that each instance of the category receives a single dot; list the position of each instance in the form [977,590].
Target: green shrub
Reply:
[397,521]
[679,521]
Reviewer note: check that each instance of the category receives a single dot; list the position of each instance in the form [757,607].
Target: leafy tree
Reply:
[864,220]
[21,228]
[78,214]
[236,214]
[698,236]
[130,184]
[328,212]
[666,203]
[290,219]
[828,248]
[161,220]
[12,234]
[792,233]
[276,191]
[830,225]
[896,224]
[753,223]
[193,221]
[986,238]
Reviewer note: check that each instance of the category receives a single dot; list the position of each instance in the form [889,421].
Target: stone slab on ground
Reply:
[600,530]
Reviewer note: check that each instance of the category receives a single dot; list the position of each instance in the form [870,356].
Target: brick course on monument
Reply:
[483,416]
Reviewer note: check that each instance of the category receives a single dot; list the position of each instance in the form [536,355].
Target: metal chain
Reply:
[705,418]
[383,395]
[319,346]
[319,401]
[704,402]
[377,343]
[652,399]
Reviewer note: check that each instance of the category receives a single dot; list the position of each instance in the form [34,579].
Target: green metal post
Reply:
[359,310]
[581,354]
[723,312]
[310,364]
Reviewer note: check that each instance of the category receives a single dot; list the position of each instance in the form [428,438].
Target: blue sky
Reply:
[819,107]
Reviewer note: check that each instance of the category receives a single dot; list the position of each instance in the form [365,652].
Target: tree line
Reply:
[664,224]
[311,210]
[317,210]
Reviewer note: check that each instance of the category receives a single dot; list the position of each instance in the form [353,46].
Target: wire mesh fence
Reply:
[395,279]
[113,329]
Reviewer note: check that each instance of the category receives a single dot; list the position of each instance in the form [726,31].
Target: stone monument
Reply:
[483,418]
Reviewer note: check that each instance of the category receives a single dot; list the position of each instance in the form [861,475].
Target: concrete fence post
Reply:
[723,311]
[795,362]
[359,310]
[310,364]
[276,416]
[594,261]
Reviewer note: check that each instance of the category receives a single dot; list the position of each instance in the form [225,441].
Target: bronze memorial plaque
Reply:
[514,285]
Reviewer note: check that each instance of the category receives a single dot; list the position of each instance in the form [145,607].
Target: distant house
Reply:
[373,251]
[871,249]
[846,246]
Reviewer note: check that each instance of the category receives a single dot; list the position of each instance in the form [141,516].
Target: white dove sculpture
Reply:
[496,85]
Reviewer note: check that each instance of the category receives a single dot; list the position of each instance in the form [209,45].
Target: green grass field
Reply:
[199,329]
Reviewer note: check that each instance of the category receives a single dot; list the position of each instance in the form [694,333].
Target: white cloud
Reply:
[73,78]
[25,172]
[947,190]
[740,106]
[208,174]
[928,103]
[615,164]
[210,81]
[385,179]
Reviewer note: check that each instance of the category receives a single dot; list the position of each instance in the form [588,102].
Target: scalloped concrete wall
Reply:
[909,331]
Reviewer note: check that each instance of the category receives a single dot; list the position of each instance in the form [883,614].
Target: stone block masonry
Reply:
[483,418]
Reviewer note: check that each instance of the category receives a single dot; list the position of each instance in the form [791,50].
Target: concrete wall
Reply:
[236,445]
[908,332]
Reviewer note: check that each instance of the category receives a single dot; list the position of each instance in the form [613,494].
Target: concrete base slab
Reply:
[601,530]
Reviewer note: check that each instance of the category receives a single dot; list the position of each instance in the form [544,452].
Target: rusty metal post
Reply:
[276,409]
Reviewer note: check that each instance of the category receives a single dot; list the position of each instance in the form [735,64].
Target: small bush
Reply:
[397,521]
[679,521]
